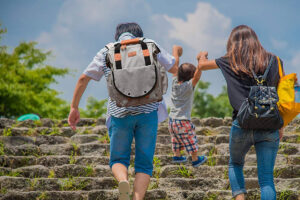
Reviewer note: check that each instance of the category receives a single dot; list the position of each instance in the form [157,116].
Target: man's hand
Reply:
[74,118]
[202,55]
[280,133]
[177,50]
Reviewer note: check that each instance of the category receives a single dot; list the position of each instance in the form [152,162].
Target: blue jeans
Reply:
[266,145]
[143,128]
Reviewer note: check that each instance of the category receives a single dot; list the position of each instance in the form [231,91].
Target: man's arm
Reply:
[177,52]
[74,115]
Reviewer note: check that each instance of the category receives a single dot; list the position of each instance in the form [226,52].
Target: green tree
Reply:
[94,108]
[25,82]
[206,105]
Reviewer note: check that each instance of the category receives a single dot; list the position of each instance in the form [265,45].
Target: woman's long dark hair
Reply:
[245,52]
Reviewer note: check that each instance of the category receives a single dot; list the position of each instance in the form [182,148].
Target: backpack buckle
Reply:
[260,81]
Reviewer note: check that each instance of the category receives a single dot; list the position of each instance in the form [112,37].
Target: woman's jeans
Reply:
[266,144]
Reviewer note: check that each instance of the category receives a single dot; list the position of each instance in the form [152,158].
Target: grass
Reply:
[32,183]
[72,159]
[184,172]
[277,172]
[37,123]
[156,173]
[211,161]
[285,195]
[11,173]
[75,148]
[51,174]
[89,171]
[43,196]
[2,148]
[104,139]
[70,184]
[7,132]
[211,197]
[3,190]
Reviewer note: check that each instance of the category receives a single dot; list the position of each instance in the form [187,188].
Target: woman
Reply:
[244,52]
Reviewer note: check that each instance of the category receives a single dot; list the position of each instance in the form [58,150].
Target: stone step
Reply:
[96,148]
[175,184]
[63,171]
[168,171]
[177,171]
[162,160]
[150,195]
[169,184]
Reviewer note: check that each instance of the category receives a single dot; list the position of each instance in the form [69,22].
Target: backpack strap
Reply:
[261,80]
[279,67]
[122,45]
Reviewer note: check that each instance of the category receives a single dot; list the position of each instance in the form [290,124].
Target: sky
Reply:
[75,30]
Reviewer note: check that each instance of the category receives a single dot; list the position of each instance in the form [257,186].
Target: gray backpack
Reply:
[136,77]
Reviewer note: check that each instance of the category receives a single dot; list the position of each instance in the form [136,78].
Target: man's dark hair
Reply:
[132,28]
[186,72]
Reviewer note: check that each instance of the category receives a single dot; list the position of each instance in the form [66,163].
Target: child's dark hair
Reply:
[132,28]
[186,72]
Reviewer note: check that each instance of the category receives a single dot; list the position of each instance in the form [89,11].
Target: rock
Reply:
[46,139]
[86,122]
[4,122]
[81,139]
[67,132]
[35,171]
[57,149]
[17,140]
[51,161]
[27,123]
[101,121]
[227,121]
[196,121]
[99,130]
[213,122]
[47,122]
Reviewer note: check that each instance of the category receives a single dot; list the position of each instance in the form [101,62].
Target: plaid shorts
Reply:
[183,135]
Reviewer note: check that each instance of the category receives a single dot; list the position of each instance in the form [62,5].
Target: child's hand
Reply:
[202,55]
[177,50]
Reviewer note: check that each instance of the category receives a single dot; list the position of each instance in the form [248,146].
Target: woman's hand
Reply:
[280,133]
[177,50]
[74,117]
[202,55]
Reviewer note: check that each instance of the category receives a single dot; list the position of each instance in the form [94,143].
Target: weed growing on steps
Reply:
[1,148]
[89,171]
[51,174]
[70,184]
[43,196]
[278,172]
[211,197]
[156,173]
[211,161]
[183,172]
[11,173]
[72,159]
[226,174]
[33,183]
[7,132]
[75,148]
[37,123]
[104,139]
[3,190]
[285,195]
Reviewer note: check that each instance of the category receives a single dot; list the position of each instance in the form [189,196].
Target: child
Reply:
[180,127]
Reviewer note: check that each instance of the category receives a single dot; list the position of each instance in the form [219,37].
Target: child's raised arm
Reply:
[203,57]
[177,52]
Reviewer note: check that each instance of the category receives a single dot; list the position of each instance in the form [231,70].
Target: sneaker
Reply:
[200,161]
[124,190]
[181,159]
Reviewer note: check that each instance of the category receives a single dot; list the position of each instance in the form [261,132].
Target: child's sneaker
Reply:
[180,159]
[124,190]
[200,161]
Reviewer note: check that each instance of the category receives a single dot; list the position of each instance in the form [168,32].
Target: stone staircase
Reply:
[47,160]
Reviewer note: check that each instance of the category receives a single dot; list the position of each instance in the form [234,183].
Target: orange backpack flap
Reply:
[287,106]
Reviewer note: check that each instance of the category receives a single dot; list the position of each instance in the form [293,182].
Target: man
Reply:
[124,123]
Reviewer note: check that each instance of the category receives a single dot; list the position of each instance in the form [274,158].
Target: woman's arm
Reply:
[205,64]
